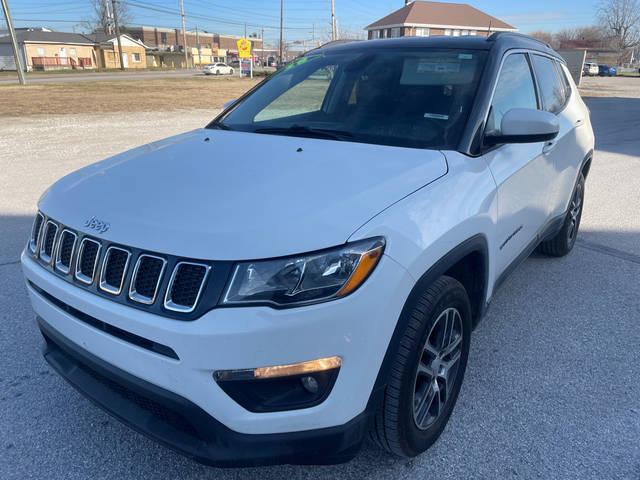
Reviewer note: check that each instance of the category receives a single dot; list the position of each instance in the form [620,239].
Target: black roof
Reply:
[500,40]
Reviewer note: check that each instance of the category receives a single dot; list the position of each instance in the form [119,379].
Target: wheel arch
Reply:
[472,253]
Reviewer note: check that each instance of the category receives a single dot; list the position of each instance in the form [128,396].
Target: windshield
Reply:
[416,98]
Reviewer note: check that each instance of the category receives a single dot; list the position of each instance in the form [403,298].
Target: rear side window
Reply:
[563,79]
[515,89]
[552,92]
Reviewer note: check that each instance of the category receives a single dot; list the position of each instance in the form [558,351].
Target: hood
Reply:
[223,195]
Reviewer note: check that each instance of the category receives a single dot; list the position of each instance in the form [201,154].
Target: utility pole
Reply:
[184,36]
[115,21]
[14,44]
[262,54]
[245,29]
[313,34]
[106,6]
[281,13]
[198,46]
[333,22]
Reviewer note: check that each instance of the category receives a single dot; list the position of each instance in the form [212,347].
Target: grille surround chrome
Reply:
[58,265]
[78,274]
[34,241]
[102,284]
[133,294]
[43,238]
[168,303]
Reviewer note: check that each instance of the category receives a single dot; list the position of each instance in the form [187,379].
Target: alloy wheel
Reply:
[574,214]
[438,368]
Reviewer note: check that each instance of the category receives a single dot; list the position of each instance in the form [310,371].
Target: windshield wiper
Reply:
[219,125]
[304,131]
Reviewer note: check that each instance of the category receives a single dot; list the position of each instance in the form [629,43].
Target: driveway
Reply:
[553,384]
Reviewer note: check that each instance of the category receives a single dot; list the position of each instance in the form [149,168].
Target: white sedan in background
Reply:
[217,69]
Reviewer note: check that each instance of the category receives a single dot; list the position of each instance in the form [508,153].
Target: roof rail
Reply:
[496,35]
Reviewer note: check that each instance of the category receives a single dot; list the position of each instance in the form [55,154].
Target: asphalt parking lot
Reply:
[553,384]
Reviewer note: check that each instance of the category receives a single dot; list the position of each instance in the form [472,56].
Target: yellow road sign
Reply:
[244,48]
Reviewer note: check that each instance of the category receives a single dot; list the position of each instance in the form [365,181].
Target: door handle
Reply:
[579,122]
[548,147]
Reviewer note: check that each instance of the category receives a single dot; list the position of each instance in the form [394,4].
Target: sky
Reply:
[303,19]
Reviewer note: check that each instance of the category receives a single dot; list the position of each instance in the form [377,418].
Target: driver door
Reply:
[523,174]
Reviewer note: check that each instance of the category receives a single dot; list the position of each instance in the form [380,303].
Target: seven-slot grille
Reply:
[114,268]
[48,241]
[106,268]
[64,252]
[185,286]
[146,279]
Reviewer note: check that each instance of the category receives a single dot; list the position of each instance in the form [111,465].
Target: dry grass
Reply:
[163,94]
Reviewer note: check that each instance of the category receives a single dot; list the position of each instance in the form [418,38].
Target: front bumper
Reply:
[356,328]
[186,428]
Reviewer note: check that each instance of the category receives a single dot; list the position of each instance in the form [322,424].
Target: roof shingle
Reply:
[440,13]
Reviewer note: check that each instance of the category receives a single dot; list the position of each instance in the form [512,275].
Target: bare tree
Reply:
[622,19]
[545,37]
[100,21]
[581,37]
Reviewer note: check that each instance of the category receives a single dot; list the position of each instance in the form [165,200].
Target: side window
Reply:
[564,79]
[515,89]
[551,91]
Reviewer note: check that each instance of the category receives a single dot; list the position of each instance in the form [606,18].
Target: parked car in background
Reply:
[607,71]
[256,309]
[591,69]
[217,69]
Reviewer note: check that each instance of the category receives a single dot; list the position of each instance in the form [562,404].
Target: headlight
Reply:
[304,279]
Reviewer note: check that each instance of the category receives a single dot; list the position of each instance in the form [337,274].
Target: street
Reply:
[552,389]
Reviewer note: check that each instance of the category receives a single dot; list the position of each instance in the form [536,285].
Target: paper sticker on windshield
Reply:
[465,56]
[426,66]
[437,116]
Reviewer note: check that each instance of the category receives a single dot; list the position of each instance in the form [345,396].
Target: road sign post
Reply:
[244,51]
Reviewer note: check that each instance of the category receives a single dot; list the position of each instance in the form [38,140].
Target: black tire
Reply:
[562,243]
[396,426]
[231,71]
[217,72]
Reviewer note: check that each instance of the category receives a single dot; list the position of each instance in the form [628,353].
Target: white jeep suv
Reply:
[279,305]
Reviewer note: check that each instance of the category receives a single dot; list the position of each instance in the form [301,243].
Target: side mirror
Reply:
[525,125]
[228,104]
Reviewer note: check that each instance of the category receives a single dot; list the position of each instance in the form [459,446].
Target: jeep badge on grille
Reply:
[97,225]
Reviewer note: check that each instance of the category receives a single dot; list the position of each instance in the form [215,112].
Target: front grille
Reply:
[34,239]
[127,275]
[185,286]
[48,241]
[146,278]
[87,260]
[114,268]
[64,252]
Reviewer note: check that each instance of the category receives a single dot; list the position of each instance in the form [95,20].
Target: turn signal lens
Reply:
[298,368]
[366,265]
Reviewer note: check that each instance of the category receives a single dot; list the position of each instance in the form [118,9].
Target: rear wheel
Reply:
[562,243]
[427,372]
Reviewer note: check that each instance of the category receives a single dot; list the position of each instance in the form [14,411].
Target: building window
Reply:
[72,52]
[447,31]
[465,32]
[422,32]
[456,33]
[136,57]
[163,37]
[40,51]
[395,32]
[473,32]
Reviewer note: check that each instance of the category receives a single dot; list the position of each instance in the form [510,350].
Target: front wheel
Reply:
[427,372]
[231,72]
[562,243]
